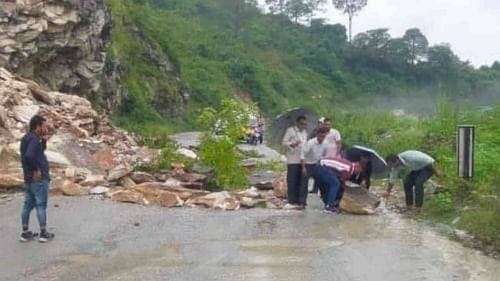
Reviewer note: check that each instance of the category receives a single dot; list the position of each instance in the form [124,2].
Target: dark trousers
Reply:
[35,197]
[329,184]
[296,192]
[414,184]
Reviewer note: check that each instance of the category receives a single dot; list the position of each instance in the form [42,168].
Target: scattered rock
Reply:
[280,187]
[119,172]
[218,200]
[126,182]
[141,177]
[249,163]
[129,196]
[248,202]
[359,201]
[187,153]
[263,180]
[99,190]
[10,181]
[24,113]
[252,192]
[137,224]
[70,188]
[191,180]
[93,180]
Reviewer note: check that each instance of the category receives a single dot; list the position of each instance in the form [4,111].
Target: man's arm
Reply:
[287,139]
[392,178]
[303,152]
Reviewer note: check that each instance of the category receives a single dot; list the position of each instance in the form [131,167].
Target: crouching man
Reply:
[332,175]
[36,179]
[416,167]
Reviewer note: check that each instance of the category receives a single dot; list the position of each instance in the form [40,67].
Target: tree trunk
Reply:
[350,28]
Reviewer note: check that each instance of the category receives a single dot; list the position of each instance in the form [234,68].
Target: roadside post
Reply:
[465,151]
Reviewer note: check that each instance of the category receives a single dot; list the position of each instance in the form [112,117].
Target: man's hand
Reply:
[37,175]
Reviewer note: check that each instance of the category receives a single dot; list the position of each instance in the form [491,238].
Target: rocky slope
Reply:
[58,43]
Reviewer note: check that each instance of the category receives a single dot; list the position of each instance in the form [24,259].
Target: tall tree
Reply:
[351,8]
[276,6]
[296,9]
[417,45]
[241,11]
[314,6]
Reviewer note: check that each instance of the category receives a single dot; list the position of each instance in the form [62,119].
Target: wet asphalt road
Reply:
[97,240]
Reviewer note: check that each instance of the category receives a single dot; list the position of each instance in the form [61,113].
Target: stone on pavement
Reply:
[93,180]
[70,188]
[11,181]
[280,187]
[359,201]
[99,190]
[129,196]
[218,200]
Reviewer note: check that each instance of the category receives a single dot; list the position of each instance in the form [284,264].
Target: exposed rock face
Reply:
[82,138]
[59,43]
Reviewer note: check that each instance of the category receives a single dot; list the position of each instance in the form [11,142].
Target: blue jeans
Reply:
[35,196]
[329,180]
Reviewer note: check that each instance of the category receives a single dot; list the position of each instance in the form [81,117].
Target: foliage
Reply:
[224,127]
[168,156]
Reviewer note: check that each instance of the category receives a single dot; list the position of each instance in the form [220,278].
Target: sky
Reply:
[472,27]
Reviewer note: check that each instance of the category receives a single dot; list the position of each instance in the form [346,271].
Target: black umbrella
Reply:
[355,153]
[287,119]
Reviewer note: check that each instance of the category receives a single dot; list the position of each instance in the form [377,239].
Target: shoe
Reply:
[46,237]
[27,236]
[331,210]
[289,206]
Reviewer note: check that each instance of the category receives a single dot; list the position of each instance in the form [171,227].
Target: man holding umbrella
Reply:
[293,140]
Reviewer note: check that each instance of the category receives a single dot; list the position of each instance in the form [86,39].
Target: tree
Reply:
[314,6]
[276,6]
[241,11]
[296,9]
[351,8]
[416,44]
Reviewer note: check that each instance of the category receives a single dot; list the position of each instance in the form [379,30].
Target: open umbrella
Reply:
[287,119]
[378,163]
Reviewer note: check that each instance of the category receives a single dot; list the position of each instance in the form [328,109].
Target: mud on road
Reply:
[102,240]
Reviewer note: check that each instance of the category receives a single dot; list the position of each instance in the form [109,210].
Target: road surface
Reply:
[102,240]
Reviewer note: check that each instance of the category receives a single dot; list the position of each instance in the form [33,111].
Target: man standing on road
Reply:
[334,138]
[418,167]
[312,152]
[36,178]
[295,137]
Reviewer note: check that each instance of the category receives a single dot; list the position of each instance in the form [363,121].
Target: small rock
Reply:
[218,200]
[93,180]
[251,193]
[359,201]
[248,202]
[56,205]
[141,177]
[99,190]
[280,187]
[70,188]
[263,180]
[126,182]
[119,172]
[187,153]
[137,224]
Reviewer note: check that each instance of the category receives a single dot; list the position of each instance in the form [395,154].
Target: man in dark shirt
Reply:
[36,178]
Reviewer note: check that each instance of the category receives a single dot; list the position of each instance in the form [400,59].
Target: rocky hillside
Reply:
[61,44]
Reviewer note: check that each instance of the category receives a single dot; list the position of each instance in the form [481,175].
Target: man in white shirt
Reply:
[333,137]
[293,140]
[312,152]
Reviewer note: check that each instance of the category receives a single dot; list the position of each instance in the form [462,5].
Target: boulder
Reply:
[154,194]
[93,180]
[128,196]
[141,177]
[10,181]
[3,117]
[263,180]
[218,200]
[56,159]
[24,113]
[191,180]
[119,172]
[70,188]
[248,202]
[280,187]
[359,201]
[126,182]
